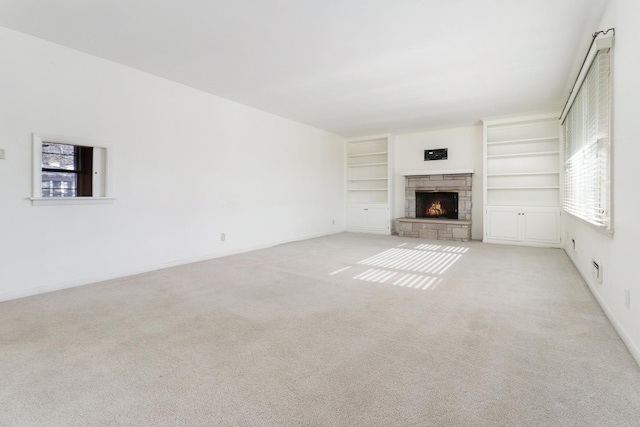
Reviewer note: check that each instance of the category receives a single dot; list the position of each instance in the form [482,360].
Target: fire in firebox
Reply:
[436,209]
[437,204]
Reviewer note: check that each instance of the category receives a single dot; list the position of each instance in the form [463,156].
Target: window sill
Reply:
[57,201]
[606,231]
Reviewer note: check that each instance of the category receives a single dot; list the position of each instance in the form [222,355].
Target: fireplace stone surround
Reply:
[440,229]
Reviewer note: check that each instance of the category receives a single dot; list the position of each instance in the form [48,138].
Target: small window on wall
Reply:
[69,171]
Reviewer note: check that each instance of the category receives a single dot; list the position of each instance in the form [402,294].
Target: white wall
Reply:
[619,255]
[465,152]
[187,166]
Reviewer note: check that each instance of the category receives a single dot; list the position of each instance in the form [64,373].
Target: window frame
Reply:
[82,169]
[100,179]
[602,221]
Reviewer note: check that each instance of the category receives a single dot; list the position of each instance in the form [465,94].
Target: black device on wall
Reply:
[437,154]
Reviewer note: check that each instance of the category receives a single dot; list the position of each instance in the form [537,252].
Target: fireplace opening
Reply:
[437,204]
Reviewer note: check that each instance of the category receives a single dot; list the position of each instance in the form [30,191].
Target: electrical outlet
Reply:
[223,236]
[334,222]
[2,154]
[627,298]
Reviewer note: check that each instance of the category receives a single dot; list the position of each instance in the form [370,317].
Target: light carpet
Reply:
[343,330]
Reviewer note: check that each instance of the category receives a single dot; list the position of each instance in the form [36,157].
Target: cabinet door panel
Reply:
[541,226]
[503,224]
[377,218]
[355,217]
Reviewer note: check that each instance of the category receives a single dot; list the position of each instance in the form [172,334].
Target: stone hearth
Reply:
[441,229]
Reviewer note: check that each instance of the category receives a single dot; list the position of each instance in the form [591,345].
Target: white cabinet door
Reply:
[503,223]
[377,218]
[541,225]
[355,217]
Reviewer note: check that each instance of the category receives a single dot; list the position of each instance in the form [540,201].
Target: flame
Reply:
[436,209]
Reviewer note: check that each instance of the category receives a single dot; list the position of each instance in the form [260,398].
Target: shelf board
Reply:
[367,189]
[519,141]
[378,153]
[354,203]
[368,179]
[368,164]
[538,187]
[523,174]
[380,140]
[539,153]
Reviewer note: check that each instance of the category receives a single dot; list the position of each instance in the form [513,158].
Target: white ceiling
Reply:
[353,67]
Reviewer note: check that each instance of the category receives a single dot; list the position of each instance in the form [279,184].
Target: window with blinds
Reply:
[587,147]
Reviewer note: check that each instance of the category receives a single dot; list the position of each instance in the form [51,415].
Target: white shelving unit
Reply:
[368,189]
[522,180]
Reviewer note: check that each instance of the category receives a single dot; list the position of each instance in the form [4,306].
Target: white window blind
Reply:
[587,147]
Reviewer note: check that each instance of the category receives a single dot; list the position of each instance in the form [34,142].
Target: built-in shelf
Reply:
[368,181]
[522,180]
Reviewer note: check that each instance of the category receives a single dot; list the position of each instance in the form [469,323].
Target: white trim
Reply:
[517,120]
[56,201]
[605,231]
[432,172]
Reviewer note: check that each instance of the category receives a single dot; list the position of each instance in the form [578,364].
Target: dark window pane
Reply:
[59,184]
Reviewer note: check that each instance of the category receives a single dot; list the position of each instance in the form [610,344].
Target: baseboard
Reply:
[556,245]
[631,346]
[23,293]
[368,231]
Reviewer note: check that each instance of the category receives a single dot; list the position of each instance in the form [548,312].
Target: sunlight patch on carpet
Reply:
[408,280]
[420,267]
[432,262]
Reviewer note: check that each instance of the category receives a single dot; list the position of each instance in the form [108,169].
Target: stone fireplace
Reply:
[437,205]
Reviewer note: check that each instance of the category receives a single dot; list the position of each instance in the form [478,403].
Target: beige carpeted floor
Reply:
[345,330]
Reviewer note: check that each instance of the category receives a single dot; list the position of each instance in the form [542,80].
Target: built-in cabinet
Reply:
[523,224]
[368,186]
[522,180]
[366,217]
